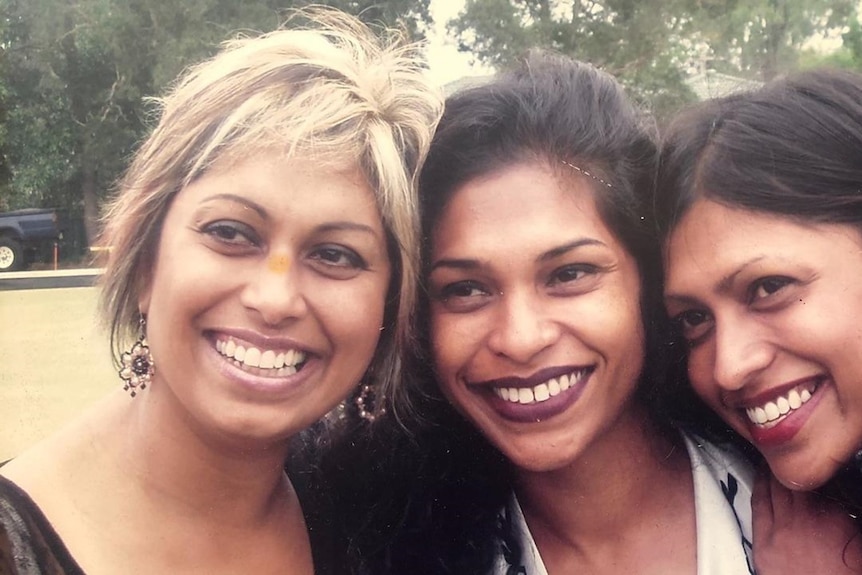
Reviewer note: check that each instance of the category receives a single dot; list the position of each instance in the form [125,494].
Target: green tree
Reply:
[635,40]
[652,45]
[848,56]
[760,39]
[76,74]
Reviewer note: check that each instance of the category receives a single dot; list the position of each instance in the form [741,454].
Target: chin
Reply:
[534,461]
[802,478]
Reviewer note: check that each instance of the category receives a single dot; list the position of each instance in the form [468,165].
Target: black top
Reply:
[28,543]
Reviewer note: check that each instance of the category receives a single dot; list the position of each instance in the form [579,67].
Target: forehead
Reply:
[286,186]
[519,200]
[713,240]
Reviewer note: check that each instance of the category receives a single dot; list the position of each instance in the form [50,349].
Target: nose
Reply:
[741,352]
[276,295]
[522,329]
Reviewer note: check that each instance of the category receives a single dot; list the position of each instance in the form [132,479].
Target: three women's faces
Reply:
[266,302]
[535,319]
[770,308]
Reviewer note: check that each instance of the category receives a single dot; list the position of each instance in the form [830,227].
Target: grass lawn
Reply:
[54,361]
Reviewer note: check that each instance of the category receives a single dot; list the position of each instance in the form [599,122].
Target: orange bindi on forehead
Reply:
[278,263]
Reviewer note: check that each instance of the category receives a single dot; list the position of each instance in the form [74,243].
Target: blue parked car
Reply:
[23,231]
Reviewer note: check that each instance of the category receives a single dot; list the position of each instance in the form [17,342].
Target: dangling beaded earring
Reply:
[137,364]
[370,406]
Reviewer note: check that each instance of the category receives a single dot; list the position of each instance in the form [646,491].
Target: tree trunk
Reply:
[88,192]
[90,195]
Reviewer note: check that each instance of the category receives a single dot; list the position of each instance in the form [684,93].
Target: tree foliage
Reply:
[651,45]
[75,76]
[760,39]
[629,38]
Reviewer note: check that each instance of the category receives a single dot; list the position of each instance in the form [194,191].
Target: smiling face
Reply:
[266,301]
[770,308]
[535,317]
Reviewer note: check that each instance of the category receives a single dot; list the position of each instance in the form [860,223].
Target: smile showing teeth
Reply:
[543,391]
[284,362]
[772,412]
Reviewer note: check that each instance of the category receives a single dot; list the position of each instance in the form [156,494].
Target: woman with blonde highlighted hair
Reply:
[263,259]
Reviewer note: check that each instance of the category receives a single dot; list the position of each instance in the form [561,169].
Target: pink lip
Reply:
[774,392]
[533,412]
[785,430]
[262,385]
[256,339]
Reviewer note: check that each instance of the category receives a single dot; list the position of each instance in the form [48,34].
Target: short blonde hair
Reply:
[331,90]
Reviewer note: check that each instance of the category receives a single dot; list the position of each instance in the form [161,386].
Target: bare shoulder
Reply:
[54,471]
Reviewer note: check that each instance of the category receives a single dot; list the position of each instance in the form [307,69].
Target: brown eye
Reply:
[231,233]
[693,324]
[462,290]
[572,273]
[463,296]
[338,256]
[766,287]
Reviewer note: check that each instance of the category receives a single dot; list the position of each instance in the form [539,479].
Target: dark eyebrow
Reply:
[682,299]
[245,202]
[467,264]
[726,283]
[458,264]
[566,248]
[261,211]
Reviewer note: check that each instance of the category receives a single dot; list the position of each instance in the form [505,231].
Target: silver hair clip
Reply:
[589,175]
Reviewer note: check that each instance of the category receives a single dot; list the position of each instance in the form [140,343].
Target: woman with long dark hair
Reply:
[759,201]
[539,440]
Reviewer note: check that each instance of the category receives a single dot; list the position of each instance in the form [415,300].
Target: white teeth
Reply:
[794,399]
[771,412]
[565,381]
[267,360]
[252,357]
[284,362]
[542,392]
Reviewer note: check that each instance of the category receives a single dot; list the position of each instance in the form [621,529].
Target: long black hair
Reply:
[577,119]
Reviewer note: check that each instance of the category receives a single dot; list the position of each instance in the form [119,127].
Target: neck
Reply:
[611,489]
[165,457]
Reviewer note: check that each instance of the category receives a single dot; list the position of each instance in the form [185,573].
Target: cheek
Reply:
[700,369]
[450,347]
[830,334]
[353,314]
[614,323]
[441,339]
